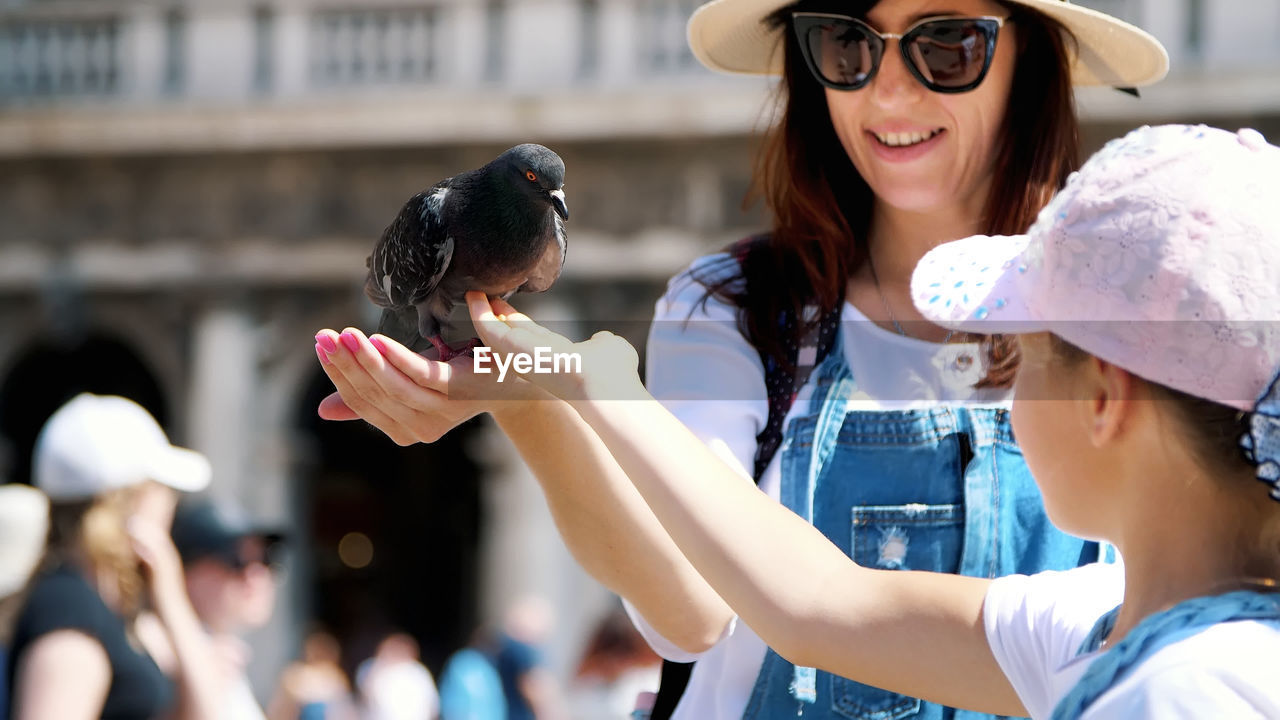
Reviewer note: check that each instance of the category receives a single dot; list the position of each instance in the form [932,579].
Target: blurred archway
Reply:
[393,533]
[48,373]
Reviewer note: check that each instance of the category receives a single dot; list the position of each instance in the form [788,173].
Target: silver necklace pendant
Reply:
[889,311]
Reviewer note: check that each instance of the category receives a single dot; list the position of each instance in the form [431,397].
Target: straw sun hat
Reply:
[731,36]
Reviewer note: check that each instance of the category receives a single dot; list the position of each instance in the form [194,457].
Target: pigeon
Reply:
[498,229]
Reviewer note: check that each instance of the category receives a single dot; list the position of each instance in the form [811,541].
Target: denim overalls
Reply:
[942,488]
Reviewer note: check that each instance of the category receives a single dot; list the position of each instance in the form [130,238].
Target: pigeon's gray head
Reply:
[540,172]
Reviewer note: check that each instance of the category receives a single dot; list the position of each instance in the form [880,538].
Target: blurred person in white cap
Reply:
[900,124]
[24,527]
[229,562]
[109,599]
[1146,305]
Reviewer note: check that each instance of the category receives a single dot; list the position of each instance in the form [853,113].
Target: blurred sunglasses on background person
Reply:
[946,54]
[203,529]
[267,550]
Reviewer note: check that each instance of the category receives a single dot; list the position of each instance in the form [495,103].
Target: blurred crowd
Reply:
[125,592]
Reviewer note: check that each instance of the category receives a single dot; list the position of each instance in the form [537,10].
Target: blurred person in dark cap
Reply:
[232,587]
[106,629]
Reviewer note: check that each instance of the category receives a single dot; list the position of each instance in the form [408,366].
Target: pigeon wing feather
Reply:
[413,253]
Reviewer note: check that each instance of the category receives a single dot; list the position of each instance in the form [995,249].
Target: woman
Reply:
[83,647]
[905,123]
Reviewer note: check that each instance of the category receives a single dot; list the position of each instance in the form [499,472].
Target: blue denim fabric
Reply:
[1155,633]
[942,489]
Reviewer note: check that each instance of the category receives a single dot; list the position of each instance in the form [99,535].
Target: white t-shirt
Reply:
[402,690]
[1035,625]
[239,703]
[707,374]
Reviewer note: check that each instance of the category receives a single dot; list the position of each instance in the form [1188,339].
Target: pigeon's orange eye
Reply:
[533,177]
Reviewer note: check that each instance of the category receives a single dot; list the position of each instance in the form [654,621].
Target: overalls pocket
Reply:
[914,536]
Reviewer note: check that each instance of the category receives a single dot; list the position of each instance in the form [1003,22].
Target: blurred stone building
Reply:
[188,190]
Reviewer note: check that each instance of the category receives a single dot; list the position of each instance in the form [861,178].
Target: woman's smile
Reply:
[905,145]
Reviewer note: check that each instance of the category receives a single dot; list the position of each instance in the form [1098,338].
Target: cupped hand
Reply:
[605,367]
[407,396]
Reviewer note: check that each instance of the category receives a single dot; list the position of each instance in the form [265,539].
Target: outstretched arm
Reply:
[602,519]
[916,633]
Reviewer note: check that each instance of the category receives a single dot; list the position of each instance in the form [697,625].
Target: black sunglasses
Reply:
[270,555]
[946,54]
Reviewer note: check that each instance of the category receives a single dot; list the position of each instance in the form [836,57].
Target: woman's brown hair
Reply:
[821,206]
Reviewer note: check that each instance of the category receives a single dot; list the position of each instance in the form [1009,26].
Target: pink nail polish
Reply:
[324,356]
[377,343]
[350,341]
[326,343]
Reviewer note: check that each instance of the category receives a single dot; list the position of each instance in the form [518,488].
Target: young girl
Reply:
[902,124]
[1148,407]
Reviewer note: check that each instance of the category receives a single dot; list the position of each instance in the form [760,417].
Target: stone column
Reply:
[219,51]
[619,50]
[239,414]
[554,66]
[223,383]
[463,43]
[142,52]
[291,58]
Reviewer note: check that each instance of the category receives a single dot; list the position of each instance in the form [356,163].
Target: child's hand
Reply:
[602,368]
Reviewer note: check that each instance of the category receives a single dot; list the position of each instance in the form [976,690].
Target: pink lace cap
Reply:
[1161,255]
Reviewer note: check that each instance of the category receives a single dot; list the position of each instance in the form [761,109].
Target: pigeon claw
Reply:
[448,352]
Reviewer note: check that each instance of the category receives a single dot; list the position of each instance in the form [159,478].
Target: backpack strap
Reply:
[671,685]
[782,385]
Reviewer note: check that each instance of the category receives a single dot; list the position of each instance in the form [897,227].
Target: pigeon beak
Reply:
[557,201]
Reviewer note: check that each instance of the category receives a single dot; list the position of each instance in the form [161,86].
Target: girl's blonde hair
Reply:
[95,530]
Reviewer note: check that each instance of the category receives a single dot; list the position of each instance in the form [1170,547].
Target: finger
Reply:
[422,371]
[334,407]
[513,317]
[391,401]
[510,333]
[141,539]
[361,350]
[504,308]
[493,331]
[519,321]
[406,396]
[358,392]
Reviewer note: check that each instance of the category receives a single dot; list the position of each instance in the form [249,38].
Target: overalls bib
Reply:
[941,488]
